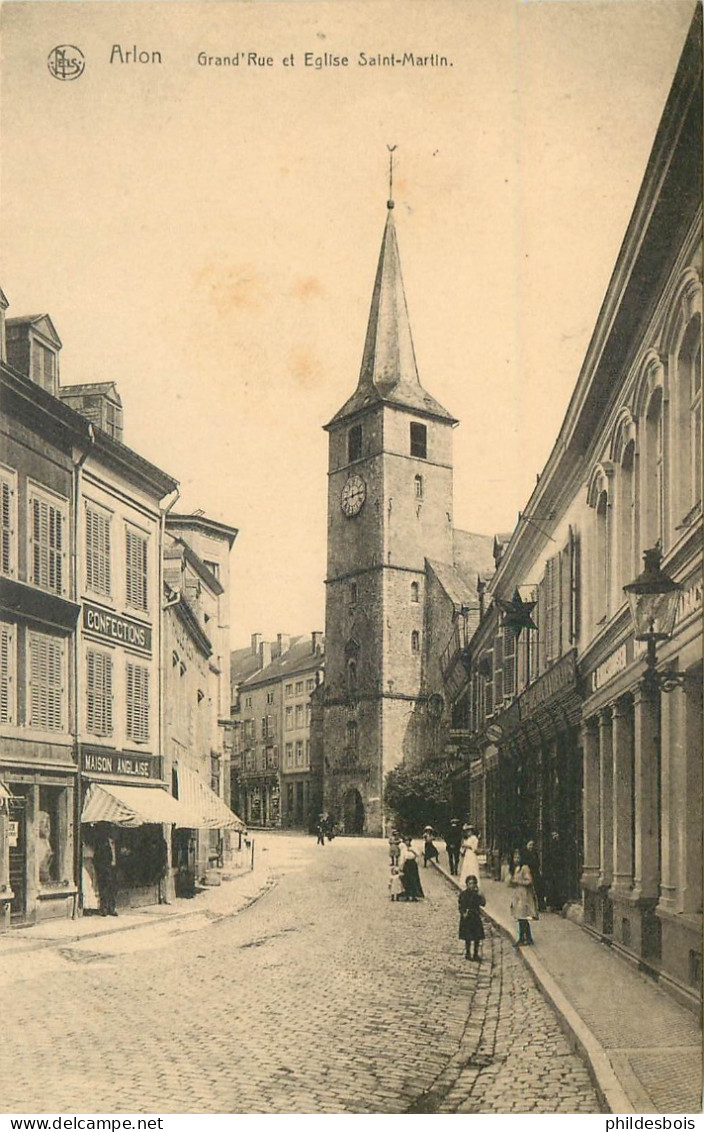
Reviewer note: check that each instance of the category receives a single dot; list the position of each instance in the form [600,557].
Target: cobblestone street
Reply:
[323,997]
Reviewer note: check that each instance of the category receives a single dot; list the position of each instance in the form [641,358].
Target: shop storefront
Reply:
[199,850]
[126,823]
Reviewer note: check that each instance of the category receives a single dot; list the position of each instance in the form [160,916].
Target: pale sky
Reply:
[207,237]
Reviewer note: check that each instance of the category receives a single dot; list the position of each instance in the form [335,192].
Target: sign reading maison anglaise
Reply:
[119,764]
[115,628]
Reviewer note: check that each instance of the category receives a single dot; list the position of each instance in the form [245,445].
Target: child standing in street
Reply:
[396,889]
[470,901]
[394,847]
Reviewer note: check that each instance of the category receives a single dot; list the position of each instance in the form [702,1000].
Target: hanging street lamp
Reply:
[654,599]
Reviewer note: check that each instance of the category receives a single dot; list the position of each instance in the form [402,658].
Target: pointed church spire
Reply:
[388,349]
[389,371]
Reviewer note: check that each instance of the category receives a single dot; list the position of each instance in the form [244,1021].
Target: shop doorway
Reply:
[18,855]
[353,811]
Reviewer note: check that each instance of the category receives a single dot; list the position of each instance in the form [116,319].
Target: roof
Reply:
[461,592]
[199,521]
[473,554]
[389,374]
[181,550]
[90,388]
[297,659]
[243,663]
[33,320]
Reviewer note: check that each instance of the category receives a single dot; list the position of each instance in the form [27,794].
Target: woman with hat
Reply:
[408,865]
[430,852]
[468,853]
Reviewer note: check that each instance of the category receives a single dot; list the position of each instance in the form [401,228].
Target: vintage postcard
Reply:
[350,573]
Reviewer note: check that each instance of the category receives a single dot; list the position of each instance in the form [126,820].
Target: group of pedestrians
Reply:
[462,843]
[404,881]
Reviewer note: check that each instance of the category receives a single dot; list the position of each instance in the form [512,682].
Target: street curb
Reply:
[175,918]
[610,1092]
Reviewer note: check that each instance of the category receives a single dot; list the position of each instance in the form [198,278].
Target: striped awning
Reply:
[133,806]
[198,798]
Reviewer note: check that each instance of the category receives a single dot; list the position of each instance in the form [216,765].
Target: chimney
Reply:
[316,642]
[265,654]
[283,642]
[256,642]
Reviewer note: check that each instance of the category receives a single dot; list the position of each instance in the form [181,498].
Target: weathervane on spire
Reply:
[390,201]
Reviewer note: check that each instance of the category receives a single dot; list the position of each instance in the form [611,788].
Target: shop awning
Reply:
[4,792]
[198,798]
[133,806]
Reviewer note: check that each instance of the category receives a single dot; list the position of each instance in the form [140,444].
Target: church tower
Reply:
[389,509]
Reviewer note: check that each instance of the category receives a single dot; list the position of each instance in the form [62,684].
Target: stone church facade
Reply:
[398,574]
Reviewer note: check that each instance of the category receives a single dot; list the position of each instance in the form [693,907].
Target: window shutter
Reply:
[97,551]
[509,648]
[489,687]
[46,691]
[136,583]
[7,672]
[6,508]
[99,693]
[566,578]
[498,670]
[137,702]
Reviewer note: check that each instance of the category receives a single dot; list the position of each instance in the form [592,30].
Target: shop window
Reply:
[419,440]
[415,641]
[415,592]
[136,548]
[8,522]
[46,691]
[137,702]
[354,443]
[49,834]
[7,673]
[98,692]
[418,483]
[47,543]
[97,550]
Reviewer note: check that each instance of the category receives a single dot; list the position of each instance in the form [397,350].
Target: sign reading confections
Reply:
[112,627]
[120,764]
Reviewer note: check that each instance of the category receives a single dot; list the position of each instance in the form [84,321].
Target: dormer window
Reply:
[354,443]
[419,440]
[44,367]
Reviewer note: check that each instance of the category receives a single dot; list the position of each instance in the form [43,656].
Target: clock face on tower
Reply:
[353,495]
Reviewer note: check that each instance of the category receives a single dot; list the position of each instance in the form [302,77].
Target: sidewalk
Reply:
[643,1049]
[206,907]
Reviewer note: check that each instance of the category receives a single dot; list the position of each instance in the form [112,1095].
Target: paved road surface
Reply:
[323,997]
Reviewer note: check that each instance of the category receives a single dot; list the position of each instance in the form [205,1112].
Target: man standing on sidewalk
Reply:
[105,864]
[453,840]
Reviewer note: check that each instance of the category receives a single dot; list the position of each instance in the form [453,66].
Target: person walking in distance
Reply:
[321,829]
[469,903]
[468,852]
[453,840]
[430,852]
[523,904]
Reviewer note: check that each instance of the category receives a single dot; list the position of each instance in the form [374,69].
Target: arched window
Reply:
[354,443]
[628,565]
[653,480]
[415,591]
[415,641]
[599,499]
[418,482]
[689,380]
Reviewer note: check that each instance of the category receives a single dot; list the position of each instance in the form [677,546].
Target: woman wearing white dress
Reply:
[469,861]
[89,883]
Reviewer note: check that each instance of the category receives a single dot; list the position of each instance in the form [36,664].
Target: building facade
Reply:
[586,750]
[273,732]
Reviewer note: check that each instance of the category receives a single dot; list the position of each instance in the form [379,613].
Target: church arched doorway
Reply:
[353,812]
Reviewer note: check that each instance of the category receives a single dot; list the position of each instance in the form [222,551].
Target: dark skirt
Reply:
[471,927]
[411,879]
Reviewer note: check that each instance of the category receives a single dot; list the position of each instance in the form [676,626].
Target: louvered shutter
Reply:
[137,702]
[99,693]
[566,585]
[509,649]
[498,669]
[47,545]
[136,583]
[46,682]
[6,525]
[97,551]
[7,674]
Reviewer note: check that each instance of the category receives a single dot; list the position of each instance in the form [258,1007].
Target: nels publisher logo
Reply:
[66,62]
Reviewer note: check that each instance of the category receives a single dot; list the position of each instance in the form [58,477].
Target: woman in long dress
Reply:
[89,883]
[408,866]
[469,861]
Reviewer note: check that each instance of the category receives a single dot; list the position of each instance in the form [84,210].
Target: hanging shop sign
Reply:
[112,627]
[120,764]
